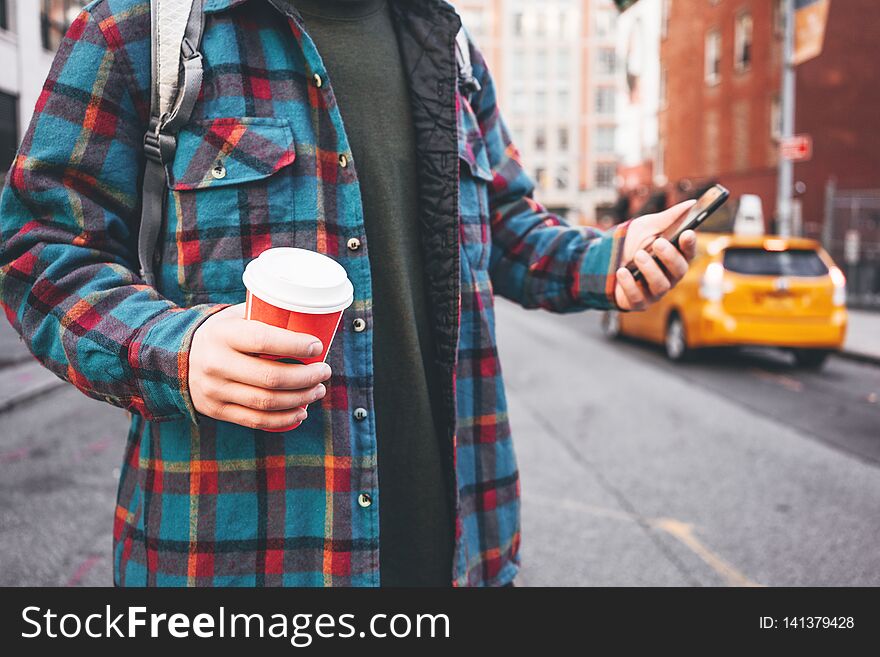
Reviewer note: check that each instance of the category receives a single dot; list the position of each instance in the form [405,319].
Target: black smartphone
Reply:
[708,203]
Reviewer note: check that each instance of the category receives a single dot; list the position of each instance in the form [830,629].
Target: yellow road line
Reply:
[684,533]
[681,531]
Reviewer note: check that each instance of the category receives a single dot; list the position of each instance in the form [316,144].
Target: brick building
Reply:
[720,61]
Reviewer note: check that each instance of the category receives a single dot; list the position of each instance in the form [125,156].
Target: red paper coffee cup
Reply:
[298,290]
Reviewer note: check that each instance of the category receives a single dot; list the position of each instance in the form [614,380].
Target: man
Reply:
[340,127]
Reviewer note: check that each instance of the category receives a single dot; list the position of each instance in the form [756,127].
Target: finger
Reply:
[663,220]
[261,399]
[673,260]
[236,311]
[266,420]
[252,337]
[657,281]
[269,374]
[635,297]
[687,243]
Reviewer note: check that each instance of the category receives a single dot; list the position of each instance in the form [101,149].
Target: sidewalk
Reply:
[863,335]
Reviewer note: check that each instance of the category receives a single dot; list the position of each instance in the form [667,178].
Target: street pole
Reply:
[786,167]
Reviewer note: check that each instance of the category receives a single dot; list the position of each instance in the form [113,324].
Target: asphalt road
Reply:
[733,471]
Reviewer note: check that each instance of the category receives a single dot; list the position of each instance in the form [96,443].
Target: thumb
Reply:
[236,311]
[663,220]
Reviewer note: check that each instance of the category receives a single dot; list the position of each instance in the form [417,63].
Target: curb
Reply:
[858,357]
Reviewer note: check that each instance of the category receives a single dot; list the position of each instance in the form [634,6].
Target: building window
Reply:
[519,62]
[665,11]
[604,23]
[540,102]
[474,19]
[541,64]
[743,42]
[4,15]
[605,139]
[779,18]
[541,23]
[540,139]
[563,138]
[519,24]
[607,61]
[713,57]
[605,100]
[520,102]
[565,23]
[776,119]
[562,177]
[606,172]
[562,97]
[541,177]
[55,18]
[564,63]
[8,131]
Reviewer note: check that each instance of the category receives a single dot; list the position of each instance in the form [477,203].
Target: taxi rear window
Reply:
[758,262]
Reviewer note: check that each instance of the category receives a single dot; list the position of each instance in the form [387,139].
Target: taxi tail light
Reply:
[712,283]
[839,281]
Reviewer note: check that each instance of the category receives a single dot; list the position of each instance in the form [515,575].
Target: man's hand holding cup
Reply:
[237,373]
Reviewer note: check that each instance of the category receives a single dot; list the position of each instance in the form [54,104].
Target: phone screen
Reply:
[706,205]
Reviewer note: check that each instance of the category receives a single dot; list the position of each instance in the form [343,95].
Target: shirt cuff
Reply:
[159,360]
[597,270]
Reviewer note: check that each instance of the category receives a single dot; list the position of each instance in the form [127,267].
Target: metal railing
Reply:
[851,234]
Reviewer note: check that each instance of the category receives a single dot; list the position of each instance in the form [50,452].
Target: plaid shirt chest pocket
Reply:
[230,182]
[475,174]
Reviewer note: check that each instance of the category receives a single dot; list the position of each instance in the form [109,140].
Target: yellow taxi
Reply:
[748,290]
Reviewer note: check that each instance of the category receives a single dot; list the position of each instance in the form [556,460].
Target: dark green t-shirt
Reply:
[358,44]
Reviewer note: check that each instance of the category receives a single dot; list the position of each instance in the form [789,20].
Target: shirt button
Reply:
[358,325]
[318,81]
[343,161]
[219,171]
[354,244]
[365,500]
[360,414]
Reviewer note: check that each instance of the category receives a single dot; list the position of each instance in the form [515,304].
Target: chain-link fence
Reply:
[852,236]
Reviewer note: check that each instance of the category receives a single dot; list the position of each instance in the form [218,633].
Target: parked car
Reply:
[748,290]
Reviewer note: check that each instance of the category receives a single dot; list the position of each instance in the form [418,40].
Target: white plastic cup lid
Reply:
[299,280]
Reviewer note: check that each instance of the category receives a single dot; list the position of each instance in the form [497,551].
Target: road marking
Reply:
[684,532]
[681,531]
[83,570]
[779,379]
[14,455]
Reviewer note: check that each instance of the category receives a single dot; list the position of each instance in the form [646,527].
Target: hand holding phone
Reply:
[708,203]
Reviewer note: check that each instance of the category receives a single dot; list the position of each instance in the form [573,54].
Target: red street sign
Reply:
[797,149]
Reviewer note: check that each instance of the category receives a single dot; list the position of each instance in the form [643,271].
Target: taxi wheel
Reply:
[675,341]
[611,324]
[812,359]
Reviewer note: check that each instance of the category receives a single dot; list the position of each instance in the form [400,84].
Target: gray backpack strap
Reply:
[176,79]
[466,80]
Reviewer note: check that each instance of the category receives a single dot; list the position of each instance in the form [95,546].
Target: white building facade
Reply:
[641,95]
[30,31]
[555,66]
